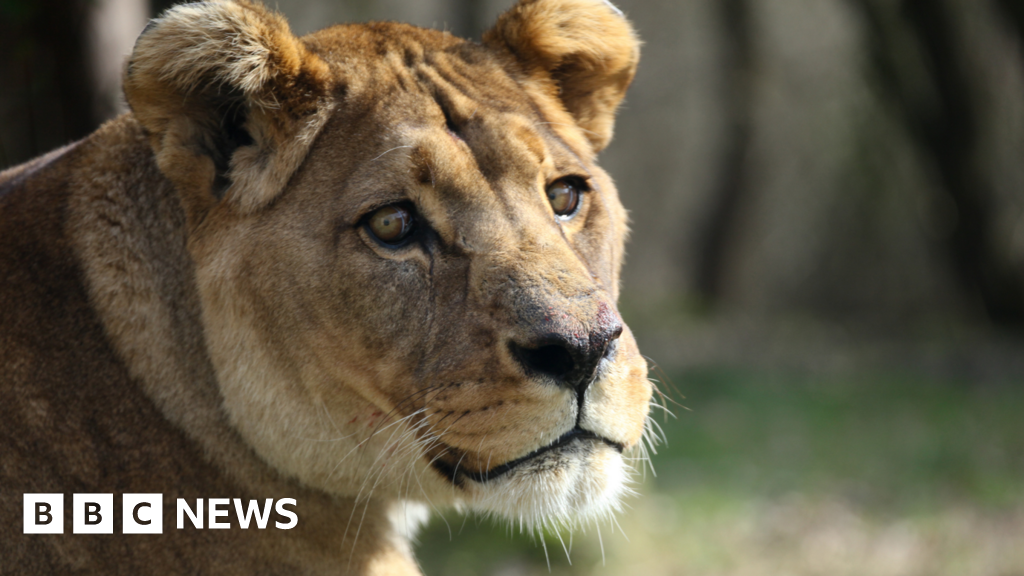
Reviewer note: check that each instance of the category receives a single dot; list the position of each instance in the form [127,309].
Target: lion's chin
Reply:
[583,481]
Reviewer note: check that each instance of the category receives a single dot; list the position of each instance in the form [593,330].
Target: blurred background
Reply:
[826,272]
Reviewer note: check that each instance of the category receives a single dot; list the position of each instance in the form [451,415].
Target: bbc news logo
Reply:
[144,513]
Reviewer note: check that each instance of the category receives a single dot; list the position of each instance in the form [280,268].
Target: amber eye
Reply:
[564,195]
[391,224]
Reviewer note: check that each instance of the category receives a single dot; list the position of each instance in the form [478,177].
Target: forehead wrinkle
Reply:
[475,81]
[455,99]
[452,172]
[438,155]
[533,141]
[547,126]
[533,131]
[404,75]
[460,98]
[449,98]
[562,146]
[462,206]
[449,181]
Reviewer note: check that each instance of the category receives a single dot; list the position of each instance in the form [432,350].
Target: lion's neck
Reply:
[128,231]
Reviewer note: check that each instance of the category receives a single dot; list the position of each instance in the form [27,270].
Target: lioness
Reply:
[372,269]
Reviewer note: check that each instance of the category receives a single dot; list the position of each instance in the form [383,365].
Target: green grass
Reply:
[779,473]
[885,442]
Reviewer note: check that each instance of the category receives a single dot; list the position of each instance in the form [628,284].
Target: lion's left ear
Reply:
[230,100]
[585,47]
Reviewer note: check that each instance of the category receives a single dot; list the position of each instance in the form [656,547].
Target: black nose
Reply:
[569,359]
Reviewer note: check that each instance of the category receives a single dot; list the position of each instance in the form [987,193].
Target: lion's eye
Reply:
[564,195]
[391,224]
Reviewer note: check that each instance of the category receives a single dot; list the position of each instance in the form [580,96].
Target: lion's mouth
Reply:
[576,434]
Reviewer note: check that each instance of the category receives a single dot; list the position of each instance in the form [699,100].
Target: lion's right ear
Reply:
[585,50]
[230,100]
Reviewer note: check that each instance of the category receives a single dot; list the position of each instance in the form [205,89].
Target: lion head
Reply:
[406,256]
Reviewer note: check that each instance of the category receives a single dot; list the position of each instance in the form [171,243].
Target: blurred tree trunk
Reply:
[921,67]
[1014,11]
[719,228]
[471,15]
[47,80]
[157,7]
[114,25]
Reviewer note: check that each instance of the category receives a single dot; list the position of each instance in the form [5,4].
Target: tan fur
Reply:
[192,305]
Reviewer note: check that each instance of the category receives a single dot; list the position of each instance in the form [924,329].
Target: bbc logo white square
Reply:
[142,514]
[92,514]
[44,514]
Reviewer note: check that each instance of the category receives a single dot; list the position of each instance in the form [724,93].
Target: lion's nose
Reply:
[569,359]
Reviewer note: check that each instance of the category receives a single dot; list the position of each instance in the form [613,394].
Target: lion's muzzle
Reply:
[566,351]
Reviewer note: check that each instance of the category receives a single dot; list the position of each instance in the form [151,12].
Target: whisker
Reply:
[545,547]
[568,558]
[392,150]
[617,525]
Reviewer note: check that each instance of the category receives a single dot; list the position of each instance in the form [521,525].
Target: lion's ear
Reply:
[228,97]
[585,47]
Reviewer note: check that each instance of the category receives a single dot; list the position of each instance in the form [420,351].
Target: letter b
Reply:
[43,514]
[92,514]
